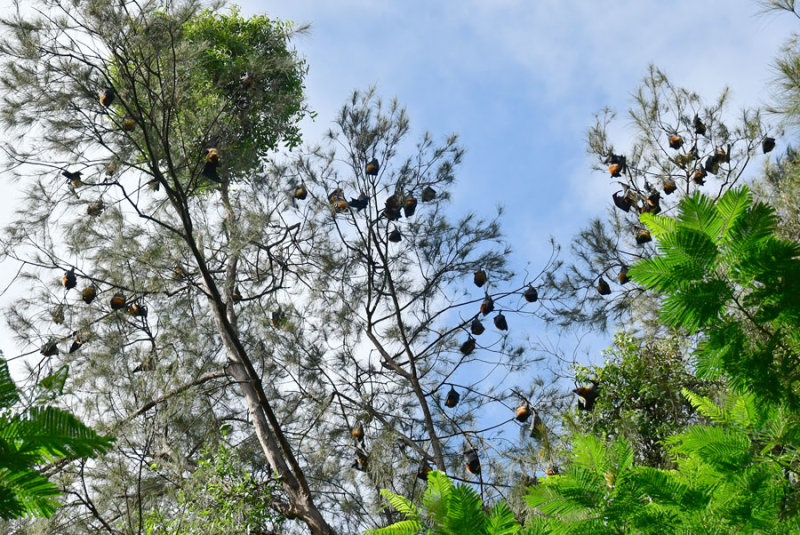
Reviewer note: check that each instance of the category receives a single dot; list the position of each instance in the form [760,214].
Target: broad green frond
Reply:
[465,513]
[402,504]
[730,207]
[8,390]
[697,212]
[404,527]
[657,224]
[695,304]
[26,493]
[52,433]
[501,521]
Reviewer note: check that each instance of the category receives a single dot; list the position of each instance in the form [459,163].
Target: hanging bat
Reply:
[472,462]
[531,295]
[49,349]
[394,236]
[500,322]
[69,280]
[699,127]
[602,287]
[107,96]
[117,301]
[410,206]
[487,306]
[88,294]
[372,167]
[479,278]
[96,208]
[477,327]
[452,398]
[675,142]
[468,346]
[768,144]
[73,177]
[360,203]
[523,411]
[428,194]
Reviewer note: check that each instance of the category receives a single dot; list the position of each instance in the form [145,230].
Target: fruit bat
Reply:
[500,322]
[89,293]
[96,208]
[136,310]
[768,144]
[278,317]
[622,277]
[589,395]
[537,427]
[210,167]
[602,287]
[623,202]
[49,349]
[410,206]
[699,127]
[236,295]
[300,192]
[552,470]
[335,195]
[77,342]
[675,142]
[653,202]
[391,214]
[360,203]
[107,96]
[477,327]
[531,295]
[357,432]
[617,164]
[128,124]
[487,306]
[452,398]
[372,167]
[479,278]
[643,236]
[394,236]
[670,187]
[73,177]
[247,80]
[711,165]
[118,301]
[69,280]
[360,463]
[468,346]
[699,176]
[423,471]
[523,411]
[472,462]
[341,205]
[428,194]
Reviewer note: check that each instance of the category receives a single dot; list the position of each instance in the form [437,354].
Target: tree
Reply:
[725,273]
[32,434]
[174,138]
[640,395]
[212,272]
[449,509]
[680,145]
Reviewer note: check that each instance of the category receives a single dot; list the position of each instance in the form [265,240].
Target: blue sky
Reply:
[520,82]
